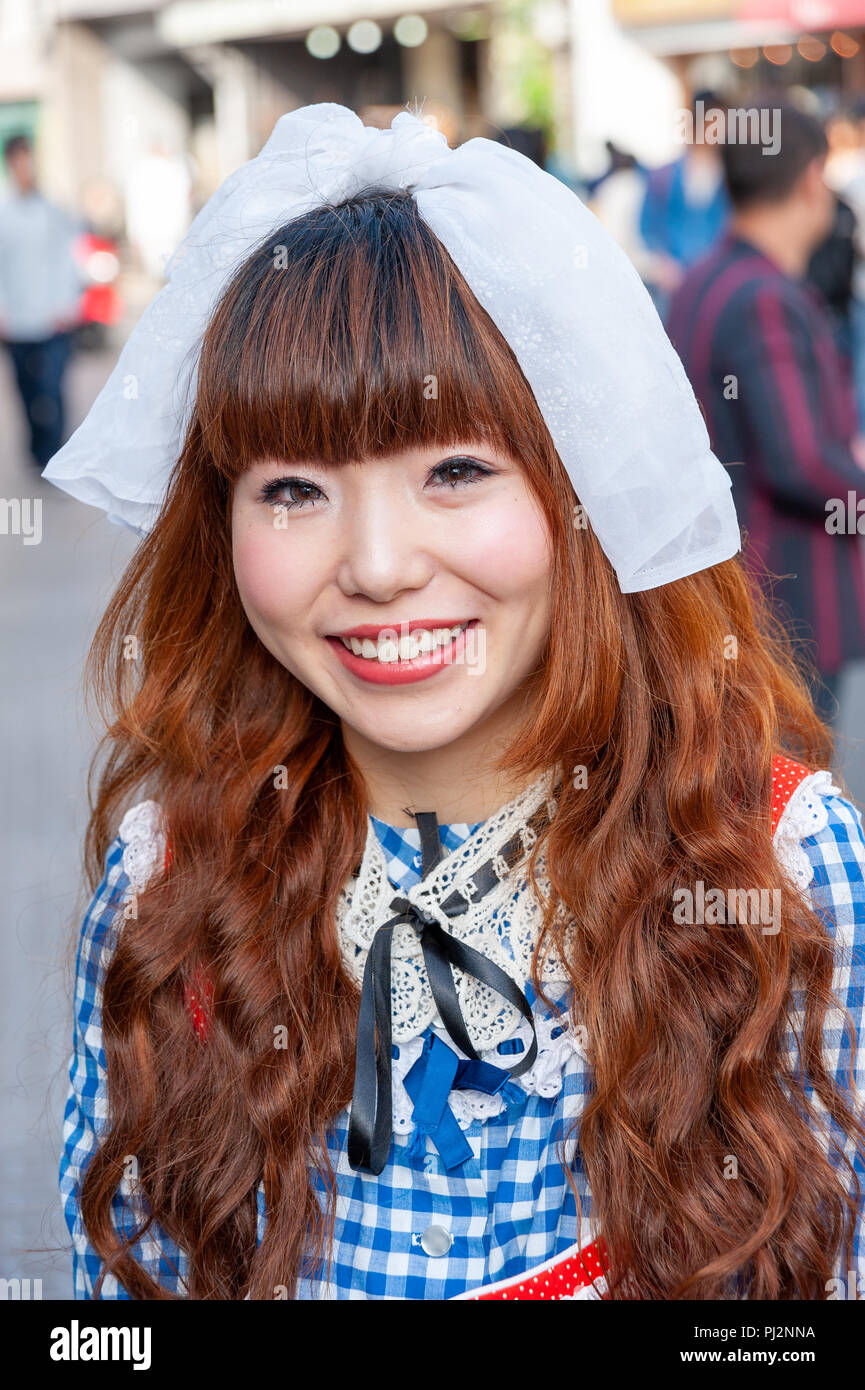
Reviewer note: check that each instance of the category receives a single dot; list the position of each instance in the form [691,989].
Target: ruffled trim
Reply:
[143,843]
[503,925]
[805,814]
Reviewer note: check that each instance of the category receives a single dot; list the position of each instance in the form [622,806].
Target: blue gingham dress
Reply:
[507,1207]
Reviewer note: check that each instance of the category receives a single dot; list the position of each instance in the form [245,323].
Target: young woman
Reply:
[474,913]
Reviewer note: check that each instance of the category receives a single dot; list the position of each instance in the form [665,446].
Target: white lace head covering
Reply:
[613,392]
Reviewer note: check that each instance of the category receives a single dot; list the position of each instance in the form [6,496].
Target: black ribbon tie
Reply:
[371,1122]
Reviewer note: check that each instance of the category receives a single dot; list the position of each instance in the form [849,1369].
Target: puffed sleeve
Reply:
[86,1112]
[836,853]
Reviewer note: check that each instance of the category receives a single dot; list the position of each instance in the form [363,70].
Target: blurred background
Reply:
[118,119]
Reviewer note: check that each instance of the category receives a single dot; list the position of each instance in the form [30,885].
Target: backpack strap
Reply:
[786,777]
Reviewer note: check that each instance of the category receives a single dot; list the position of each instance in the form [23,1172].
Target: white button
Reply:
[436,1240]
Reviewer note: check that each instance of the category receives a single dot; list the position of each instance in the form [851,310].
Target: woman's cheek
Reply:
[510,549]
[271,576]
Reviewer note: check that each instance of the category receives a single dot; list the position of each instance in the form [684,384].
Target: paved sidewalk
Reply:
[53,595]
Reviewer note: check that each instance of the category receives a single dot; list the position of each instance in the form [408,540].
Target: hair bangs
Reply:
[349,334]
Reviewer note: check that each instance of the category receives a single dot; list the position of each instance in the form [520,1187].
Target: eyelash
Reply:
[270,491]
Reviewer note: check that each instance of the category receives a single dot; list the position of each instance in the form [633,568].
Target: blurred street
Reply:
[53,596]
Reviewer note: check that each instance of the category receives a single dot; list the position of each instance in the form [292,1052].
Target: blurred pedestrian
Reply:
[758,346]
[845,172]
[685,207]
[40,296]
[831,270]
[616,199]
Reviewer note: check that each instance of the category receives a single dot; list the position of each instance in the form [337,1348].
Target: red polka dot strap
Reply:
[576,1273]
[786,776]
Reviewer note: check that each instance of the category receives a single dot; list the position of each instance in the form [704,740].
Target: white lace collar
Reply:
[503,924]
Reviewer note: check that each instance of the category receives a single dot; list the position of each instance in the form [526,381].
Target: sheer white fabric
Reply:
[611,387]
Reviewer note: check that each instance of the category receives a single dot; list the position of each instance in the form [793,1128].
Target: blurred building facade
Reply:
[107,84]
[748,44]
[134,101]
[636,61]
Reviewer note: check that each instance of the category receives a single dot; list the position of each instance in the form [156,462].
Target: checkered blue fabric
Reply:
[507,1207]
[401,847]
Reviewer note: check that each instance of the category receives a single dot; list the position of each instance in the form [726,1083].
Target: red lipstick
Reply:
[419,668]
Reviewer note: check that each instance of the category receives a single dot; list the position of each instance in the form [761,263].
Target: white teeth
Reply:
[418,643]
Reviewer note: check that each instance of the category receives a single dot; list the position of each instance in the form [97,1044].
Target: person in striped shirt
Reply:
[757,343]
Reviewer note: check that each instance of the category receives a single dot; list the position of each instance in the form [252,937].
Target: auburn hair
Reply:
[324,345]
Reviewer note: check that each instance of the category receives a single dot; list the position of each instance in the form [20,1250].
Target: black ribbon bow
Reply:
[370,1125]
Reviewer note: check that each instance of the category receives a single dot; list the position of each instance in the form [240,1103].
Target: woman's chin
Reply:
[418,731]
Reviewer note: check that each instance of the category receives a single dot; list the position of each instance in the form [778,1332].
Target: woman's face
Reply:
[356,577]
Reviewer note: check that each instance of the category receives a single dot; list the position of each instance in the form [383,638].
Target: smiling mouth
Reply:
[388,650]
[380,657]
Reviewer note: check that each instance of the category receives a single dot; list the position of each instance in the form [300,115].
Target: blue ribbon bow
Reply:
[438,1071]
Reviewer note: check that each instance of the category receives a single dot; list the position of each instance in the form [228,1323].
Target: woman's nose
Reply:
[384,549]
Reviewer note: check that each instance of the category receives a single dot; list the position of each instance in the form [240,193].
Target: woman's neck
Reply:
[458,781]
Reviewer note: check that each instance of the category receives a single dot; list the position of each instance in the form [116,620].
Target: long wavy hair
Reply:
[323,346]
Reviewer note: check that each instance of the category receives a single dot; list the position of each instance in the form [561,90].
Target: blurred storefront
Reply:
[636,62]
[109,85]
[818,45]
[138,102]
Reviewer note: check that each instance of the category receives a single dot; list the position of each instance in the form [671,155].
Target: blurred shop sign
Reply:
[671,11]
[806,14]
[809,15]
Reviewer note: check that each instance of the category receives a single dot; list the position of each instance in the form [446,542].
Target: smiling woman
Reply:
[392,572]
[383,984]
[383,489]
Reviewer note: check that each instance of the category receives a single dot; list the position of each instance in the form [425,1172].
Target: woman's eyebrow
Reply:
[429,455]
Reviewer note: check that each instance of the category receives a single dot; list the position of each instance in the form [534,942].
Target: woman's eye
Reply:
[286,493]
[458,472]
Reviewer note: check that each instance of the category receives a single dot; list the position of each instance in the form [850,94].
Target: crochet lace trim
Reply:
[503,925]
[143,843]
